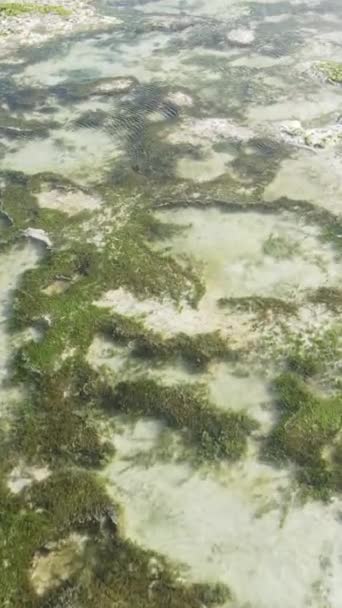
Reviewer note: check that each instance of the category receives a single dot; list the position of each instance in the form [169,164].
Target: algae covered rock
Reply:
[332,70]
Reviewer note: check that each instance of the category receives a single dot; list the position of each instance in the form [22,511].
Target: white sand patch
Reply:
[241,37]
[113,86]
[56,287]
[58,564]
[164,316]
[262,61]
[227,390]
[137,437]
[70,202]
[38,234]
[216,8]
[183,100]
[240,526]
[235,251]
[81,154]
[23,476]
[248,393]
[198,131]
[103,352]
[277,18]
[314,178]
[205,169]
[243,330]
[296,107]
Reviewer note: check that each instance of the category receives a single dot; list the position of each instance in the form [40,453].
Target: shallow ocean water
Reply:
[199,133]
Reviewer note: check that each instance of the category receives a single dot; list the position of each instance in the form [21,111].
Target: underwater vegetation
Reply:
[112,570]
[196,350]
[332,70]
[259,305]
[67,417]
[67,316]
[13,9]
[57,423]
[308,424]
[213,433]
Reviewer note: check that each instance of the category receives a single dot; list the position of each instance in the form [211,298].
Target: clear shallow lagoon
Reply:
[170,308]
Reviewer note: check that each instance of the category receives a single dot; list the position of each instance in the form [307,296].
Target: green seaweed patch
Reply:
[73,499]
[214,434]
[319,356]
[19,204]
[307,425]
[336,463]
[291,392]
[57,423]
[332,233]
[280,248]
[126,575]
[70,318]
[16,9]
[122,574]
[22,531]
[331,297]
[19,207]
[262,306]
[115,571]
[66,501]
[332,70]
[197,350]
[306,364]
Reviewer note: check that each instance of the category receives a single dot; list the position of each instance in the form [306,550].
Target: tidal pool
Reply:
[170,310]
